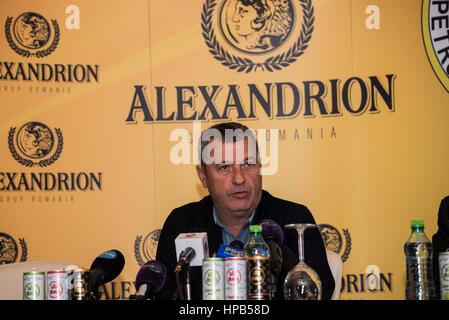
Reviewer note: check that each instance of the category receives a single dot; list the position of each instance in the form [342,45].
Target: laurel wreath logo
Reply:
[141,250]
[348,247]
[26,53]
[29,163]
[23,246]
[137,251]
[8,258]
[247,65]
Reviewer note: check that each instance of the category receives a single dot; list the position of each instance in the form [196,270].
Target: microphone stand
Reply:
[188,288]
[184,291]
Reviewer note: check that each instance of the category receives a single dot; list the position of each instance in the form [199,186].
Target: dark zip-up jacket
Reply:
[198,217]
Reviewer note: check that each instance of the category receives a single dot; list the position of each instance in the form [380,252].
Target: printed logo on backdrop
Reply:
[31,35]
[334,241]
[251,35]
[35,144]
[34,37]
[147,248]
[435,30]
[371,279]
[9,250]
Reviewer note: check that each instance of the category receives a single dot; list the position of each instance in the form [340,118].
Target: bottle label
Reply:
[418,268]
[259,278]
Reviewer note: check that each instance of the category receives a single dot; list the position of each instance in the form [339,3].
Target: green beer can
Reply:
[34,285]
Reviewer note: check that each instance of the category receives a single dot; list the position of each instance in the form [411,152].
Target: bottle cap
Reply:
[255,228]
[417,223]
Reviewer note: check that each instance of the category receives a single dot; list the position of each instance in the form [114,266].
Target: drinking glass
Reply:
[302,282]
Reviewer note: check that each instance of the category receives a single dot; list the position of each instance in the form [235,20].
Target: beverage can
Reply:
[57,286]
[235,278]
[34,285]
[213,280]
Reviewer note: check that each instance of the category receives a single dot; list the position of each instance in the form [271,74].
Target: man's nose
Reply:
[235,17]
[238,177]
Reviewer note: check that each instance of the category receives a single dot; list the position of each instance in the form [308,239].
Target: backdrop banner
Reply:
[102,104]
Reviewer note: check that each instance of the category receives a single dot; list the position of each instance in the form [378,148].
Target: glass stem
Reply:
[301,245]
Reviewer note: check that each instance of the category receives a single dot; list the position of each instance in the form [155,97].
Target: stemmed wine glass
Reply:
[302,282]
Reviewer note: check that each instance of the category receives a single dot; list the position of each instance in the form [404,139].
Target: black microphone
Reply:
[274,236]
[271,230]
[185,257]
[105,268]
[237,244]
[150,280]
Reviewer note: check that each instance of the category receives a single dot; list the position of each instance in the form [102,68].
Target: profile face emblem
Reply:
[30,34]
[250,35]
[146,248]
[256,26]
[35,140]
[333,240]
[9,249]
[34,144]
[31,30]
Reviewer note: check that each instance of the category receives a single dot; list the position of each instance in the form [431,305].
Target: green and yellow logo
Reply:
[32,291]
[212,278]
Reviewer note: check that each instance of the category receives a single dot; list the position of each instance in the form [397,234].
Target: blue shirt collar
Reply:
[227,235]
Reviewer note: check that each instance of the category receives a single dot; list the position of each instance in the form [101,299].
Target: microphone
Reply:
[150,280]
[234,249]
[185,257]
[274,236]
[237,244]
[105,268]
[191,248]
[272,231]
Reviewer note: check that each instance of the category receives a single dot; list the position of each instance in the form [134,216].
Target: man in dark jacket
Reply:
[230,170]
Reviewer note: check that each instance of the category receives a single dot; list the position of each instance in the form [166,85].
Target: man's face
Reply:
[234,183]
[243,17]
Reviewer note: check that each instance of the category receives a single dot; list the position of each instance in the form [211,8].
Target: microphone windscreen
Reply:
[237,244]
[110,263]
[154,273]
[272,230]
[225,251]
[276,258]
[196,241]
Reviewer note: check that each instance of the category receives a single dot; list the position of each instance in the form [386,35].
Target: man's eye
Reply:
[225,167]
[249,165]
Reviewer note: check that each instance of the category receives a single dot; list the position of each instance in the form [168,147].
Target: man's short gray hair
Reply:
[226,132]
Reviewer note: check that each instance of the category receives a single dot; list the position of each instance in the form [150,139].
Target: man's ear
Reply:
[202,175]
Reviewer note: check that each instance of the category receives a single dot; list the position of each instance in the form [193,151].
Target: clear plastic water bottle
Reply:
[257,254]
[418,250]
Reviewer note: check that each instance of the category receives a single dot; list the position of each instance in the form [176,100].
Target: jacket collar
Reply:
[214,235]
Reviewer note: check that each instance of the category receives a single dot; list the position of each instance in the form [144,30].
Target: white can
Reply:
[443,260]
[235,278]
[34,285]
[57,286]
[213,282]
